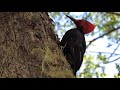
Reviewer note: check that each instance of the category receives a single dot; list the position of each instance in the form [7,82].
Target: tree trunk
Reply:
[28,47]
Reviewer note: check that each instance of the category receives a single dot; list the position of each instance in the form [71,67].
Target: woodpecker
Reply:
[73,42]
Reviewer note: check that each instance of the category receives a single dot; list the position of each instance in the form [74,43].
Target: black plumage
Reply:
[74,46]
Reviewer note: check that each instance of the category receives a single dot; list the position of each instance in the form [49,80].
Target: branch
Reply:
[106,53]
[103,35]
[113,52]
[112,61]
[117,41]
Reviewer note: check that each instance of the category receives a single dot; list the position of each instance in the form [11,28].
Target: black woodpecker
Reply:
[73,43]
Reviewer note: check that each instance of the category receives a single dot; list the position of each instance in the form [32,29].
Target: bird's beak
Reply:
[73,19]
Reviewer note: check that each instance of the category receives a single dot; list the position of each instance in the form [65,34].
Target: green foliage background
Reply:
[108,25]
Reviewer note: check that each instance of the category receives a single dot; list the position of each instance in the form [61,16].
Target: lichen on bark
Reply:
[29,47]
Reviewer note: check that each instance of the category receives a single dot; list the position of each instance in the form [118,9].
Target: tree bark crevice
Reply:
[29,47]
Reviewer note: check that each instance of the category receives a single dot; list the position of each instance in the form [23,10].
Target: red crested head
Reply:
[85,25]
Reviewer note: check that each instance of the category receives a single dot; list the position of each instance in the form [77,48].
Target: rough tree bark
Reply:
[28,47]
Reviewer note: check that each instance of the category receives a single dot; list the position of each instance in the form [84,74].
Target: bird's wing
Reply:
[65,38]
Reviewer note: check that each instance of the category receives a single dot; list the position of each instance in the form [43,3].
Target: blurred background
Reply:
[102,57]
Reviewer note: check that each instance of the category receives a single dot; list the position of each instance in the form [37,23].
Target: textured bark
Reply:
[28,47]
